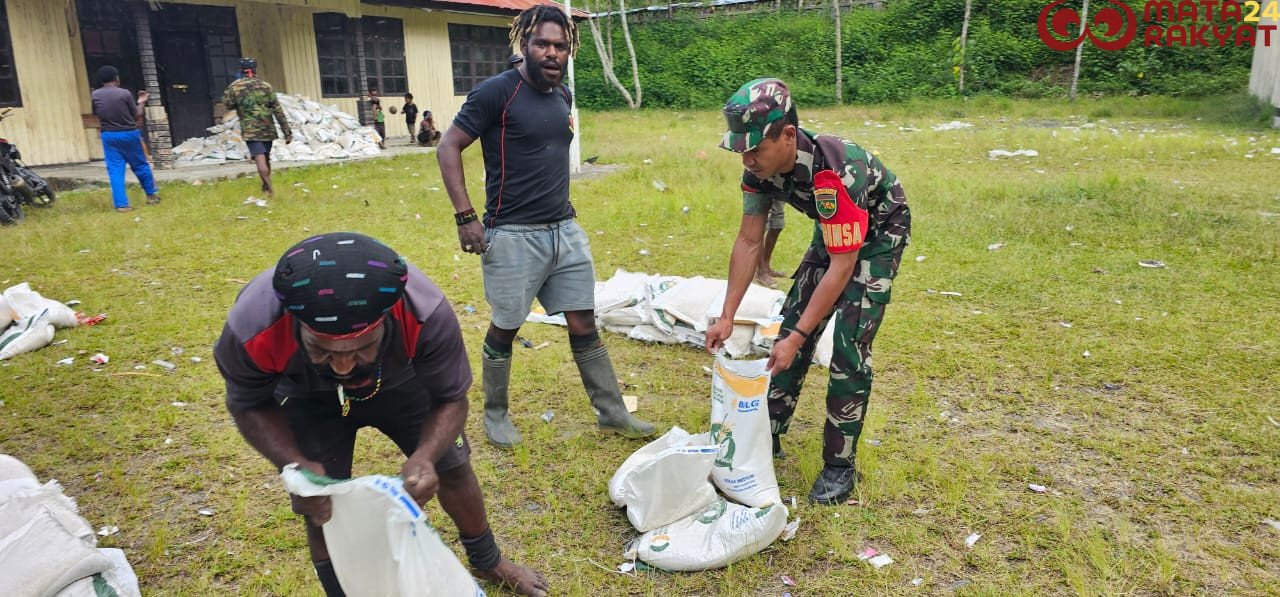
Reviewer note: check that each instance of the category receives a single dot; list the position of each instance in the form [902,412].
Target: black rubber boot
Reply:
[833,485]
[778,454]
[497,423]
[602,387]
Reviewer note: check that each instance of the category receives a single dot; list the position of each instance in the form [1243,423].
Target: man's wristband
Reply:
[465,217]
[802,333]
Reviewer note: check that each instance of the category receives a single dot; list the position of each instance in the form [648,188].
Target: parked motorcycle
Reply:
[18,184]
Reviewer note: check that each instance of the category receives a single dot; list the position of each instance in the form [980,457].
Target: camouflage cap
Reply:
[753,110]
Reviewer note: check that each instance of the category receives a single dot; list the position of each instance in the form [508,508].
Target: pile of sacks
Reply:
[669,487]
[319,133]
[676,310]
[46,548]
[27,320]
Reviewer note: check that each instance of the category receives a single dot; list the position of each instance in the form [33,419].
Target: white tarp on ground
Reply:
[676,310]
[46,548]
[319,133]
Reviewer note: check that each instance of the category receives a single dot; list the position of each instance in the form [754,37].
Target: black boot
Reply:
[497,423]
[602,387]
[833,485]
[778,454]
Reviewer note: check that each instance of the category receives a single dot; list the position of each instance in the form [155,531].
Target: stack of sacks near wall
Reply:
[319,133]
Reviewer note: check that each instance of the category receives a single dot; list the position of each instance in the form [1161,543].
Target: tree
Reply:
[1075,72]
[839,59]
[606,57]
[964,44]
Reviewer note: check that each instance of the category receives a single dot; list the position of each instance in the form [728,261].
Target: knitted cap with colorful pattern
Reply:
[340,283]
[753,111]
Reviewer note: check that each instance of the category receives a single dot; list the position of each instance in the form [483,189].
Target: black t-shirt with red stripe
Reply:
[260,359]
[524,134]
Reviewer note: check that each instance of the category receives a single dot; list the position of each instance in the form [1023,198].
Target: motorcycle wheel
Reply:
[43,195]
[10,211]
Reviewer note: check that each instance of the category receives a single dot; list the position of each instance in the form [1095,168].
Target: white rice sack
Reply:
[673,485]
[380,541]
[758,306]
[6,313]
[671,439]
[650,333]
[738,344]
[26,302]
[740,426]
[822,352]
[689,300]
[26,335]
[655,287]
[624,289]
[629,316]
[719,535]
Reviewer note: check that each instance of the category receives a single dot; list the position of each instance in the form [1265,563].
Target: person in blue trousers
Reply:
[118,113]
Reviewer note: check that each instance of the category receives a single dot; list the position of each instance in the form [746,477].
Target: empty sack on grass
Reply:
[379,539]
[740,426]
[721,534]
[671,486]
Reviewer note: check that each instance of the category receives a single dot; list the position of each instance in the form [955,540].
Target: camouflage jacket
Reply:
[870,185]
[255,103]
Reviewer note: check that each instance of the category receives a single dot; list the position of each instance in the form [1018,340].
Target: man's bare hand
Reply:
[717,333]
[317,509]
[420,479]
[471,238]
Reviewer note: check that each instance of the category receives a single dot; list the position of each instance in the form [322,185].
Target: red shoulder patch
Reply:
[844,224]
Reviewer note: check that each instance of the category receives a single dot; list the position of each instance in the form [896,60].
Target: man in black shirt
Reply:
[530,244]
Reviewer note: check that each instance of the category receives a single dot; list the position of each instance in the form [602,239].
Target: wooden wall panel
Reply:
[47,128]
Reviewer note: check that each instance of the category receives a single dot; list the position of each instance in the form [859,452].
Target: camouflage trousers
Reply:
[857,318]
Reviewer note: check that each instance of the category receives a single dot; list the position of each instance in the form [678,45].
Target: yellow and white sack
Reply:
[740,426]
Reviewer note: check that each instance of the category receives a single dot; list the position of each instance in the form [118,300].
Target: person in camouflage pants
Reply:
[861,227]
[256,106]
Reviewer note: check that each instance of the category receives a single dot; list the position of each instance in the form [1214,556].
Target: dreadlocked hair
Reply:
[523,26]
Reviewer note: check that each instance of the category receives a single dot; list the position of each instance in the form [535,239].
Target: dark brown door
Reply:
[184,83]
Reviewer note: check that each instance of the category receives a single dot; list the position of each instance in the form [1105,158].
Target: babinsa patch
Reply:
[825,200]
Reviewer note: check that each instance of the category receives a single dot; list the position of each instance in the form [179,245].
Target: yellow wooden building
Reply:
[185,52]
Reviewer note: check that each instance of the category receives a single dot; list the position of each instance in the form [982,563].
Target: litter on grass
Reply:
[166,365]
[787,580]
[1152,263]
[1037,488]
[67,361]
[1004,153]
[917,581]
[951,126]
[547,416]
[1275,524]
[971,540]
[875,558]
[205,512]
[995,246]
[107,531]
[789,531]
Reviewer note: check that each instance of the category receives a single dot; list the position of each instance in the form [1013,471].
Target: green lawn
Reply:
[1156,447]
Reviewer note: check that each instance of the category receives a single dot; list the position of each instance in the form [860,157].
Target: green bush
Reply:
[908,49]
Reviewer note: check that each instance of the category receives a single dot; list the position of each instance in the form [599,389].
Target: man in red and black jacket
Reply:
[344,334]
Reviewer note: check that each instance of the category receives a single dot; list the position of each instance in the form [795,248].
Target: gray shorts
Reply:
[777,215]
[551,262]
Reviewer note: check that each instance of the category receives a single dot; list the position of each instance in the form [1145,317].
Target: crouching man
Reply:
[344,334]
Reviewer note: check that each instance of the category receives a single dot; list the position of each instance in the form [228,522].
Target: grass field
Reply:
[1146,400]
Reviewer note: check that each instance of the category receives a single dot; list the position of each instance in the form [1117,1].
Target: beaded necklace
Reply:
[345,401]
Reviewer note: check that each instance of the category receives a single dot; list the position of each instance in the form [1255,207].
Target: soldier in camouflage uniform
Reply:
[861,227]
[256,105]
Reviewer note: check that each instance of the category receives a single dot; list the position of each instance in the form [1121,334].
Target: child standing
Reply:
[379,122]
[410,110]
